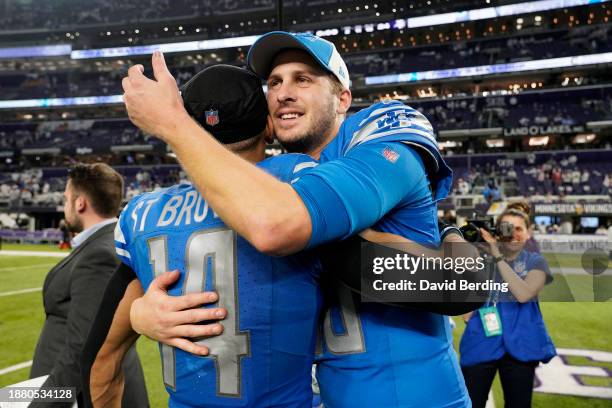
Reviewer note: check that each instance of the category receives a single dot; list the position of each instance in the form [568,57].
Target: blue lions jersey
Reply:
[265,354]
[373,355]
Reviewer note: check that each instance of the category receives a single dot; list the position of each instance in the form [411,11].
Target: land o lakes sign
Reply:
[543,130]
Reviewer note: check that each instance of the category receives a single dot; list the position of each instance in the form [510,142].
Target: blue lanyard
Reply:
[494,295]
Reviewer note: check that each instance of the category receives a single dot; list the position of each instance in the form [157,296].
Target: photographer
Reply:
[508,333]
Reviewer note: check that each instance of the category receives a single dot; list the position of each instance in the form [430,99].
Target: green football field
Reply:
[572,325]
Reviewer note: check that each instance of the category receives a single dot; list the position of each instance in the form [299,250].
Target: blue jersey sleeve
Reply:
[395,122]
[351,193]
[122,237]
[287,167]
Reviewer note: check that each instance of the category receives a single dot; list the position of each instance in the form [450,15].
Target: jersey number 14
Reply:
[211,251]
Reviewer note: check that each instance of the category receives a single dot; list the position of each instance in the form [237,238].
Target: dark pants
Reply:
[516,379]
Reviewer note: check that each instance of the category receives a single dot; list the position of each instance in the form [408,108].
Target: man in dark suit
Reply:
[73,288]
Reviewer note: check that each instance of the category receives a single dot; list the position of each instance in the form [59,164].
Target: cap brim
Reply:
[264,50]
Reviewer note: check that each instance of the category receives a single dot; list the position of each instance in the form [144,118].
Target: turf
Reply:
[33,247]
[20,272]
[571,260]
[581,325]
[571,325]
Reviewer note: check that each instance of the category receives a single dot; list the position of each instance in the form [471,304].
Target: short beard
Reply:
[306,144]
[315,137]
[75,227]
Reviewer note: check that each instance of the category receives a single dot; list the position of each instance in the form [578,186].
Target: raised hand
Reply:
[173,320]
[155,106]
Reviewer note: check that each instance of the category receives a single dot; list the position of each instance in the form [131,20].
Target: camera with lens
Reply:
[471,231]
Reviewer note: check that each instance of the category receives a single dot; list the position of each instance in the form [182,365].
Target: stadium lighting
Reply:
[449,144]
[495,142]
[538,140]
[384,79]
[494,12]
[51,102]
[400,24]
[583,138]
[482,70]
[165,48]
[37,51]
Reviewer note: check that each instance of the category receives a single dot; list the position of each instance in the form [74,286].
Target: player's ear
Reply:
[80,204]
[345,102]
[269,131]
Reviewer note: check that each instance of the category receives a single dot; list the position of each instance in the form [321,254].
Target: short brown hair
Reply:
[336,85]
[518,209]
[101,184]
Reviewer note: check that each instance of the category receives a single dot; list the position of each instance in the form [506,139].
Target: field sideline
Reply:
[578,325]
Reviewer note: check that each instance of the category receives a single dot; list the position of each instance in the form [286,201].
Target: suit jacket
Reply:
[72,293]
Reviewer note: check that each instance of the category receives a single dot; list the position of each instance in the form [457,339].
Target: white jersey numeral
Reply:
[351,341]
[210,253]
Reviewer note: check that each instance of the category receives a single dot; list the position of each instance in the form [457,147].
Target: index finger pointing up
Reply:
[160,69]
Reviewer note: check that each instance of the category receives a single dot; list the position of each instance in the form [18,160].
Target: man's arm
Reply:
[453,244]
[343,261]
[267,212]
[276,218]
[106,380]
[111,312]
[173,319]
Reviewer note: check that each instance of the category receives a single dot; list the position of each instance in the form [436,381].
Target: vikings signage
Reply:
[574,209]
[543,130]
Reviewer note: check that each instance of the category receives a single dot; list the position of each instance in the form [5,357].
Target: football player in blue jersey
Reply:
[379,167]
[263,357]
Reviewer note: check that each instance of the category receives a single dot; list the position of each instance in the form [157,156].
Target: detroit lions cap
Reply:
[264,50]
[227,101]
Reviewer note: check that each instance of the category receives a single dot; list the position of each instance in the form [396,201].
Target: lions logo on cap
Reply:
[212,117]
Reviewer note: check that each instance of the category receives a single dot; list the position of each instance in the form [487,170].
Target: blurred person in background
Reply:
[463,187]
[72,289]
[449,217]
[508,334]
[65,242]
[491,192]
